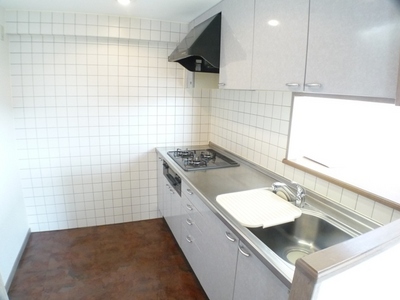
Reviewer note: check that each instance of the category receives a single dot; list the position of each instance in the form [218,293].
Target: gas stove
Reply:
[193,160]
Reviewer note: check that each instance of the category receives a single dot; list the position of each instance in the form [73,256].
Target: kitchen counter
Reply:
[208,184]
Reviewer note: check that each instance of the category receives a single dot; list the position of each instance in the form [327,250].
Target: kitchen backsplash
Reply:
[255,125]
[89,112]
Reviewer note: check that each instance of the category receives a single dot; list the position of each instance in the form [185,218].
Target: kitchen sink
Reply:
[311,232]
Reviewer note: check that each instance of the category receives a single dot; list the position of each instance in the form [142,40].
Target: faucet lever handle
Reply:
[299,189]
[300,193]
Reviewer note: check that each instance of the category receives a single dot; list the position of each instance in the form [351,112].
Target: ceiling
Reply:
[167,10]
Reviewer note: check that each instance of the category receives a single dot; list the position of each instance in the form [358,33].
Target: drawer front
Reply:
[191,218]
[192,251]
[195,206]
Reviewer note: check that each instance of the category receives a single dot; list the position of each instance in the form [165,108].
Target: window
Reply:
[350,142]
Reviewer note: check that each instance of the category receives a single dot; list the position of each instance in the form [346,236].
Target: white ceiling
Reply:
[167,10]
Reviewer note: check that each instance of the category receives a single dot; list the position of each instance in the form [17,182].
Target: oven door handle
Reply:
[171,179]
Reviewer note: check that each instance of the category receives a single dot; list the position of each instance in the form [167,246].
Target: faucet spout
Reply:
[294,192]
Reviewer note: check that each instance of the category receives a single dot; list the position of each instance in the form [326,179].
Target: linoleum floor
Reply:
[137,260]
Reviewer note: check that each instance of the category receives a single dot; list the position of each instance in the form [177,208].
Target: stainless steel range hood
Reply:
[200,49]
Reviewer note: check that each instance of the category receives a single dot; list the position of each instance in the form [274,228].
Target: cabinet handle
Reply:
[189,222]
[221,84]
[229,237]
[171,191]
[188,239]
[167,185]
[313,85]
[189,192]
[241,249]
[292,84]
[189,207]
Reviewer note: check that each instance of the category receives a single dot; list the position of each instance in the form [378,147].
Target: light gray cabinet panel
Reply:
[172,211]
[191,236]
[220,245]
[160,186]
[354,47]
[236,44]
[280,44]
[218,248]
[255,281]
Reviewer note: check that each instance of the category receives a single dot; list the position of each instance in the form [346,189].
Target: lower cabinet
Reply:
[223,266]
[255,281]
[172,211]
[216,247]
[191,236]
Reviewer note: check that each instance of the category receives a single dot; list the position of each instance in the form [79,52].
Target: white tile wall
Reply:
[78,24]
[255,125]
[94,95]
[89,112]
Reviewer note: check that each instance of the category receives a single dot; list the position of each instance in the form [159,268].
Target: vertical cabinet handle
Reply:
[189,192]
[313,85]
[189,207]
[188,239]
[243,251]
[229,236]
[189,222]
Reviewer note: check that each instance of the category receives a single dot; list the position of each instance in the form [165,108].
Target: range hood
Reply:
[199,51]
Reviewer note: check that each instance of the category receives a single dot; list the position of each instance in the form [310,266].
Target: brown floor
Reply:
[137,260]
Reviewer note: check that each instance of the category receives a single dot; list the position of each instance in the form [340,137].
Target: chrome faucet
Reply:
[298,198]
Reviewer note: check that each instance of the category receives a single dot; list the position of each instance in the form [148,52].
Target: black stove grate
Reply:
[193,160]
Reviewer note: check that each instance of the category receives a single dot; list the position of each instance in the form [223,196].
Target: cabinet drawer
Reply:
[191,216]
[196,201]
[195,208]
[191,250]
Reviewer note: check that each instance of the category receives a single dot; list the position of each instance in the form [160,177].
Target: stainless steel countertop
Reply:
[208,184]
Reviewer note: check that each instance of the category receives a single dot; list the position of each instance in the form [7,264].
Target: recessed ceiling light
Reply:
[124,2]
[273,23]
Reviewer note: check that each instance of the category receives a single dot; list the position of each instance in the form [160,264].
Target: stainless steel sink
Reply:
[307,234]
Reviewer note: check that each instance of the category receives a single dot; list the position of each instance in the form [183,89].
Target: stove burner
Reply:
[195,162]
[183,153]
[204,159]
[207,155]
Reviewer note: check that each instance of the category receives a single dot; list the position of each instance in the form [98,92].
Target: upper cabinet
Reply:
[353,47]
[316,46]
[236,44]
[280,44]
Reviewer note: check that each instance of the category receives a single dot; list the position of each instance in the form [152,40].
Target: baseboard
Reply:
[15,266]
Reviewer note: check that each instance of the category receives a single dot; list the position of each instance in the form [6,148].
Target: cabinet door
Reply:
[218,246]
[160,186]
[236,44]
[176,215]
[255,281]
[280,44]
[172,211]
[354,47]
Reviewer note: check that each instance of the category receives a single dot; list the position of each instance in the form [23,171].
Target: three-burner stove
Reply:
[192,160]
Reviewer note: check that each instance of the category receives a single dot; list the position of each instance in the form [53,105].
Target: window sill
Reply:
[317,170]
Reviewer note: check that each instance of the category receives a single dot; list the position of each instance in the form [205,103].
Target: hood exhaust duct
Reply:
[199,51]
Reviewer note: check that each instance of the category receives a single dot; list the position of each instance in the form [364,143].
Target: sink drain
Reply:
[294,254]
